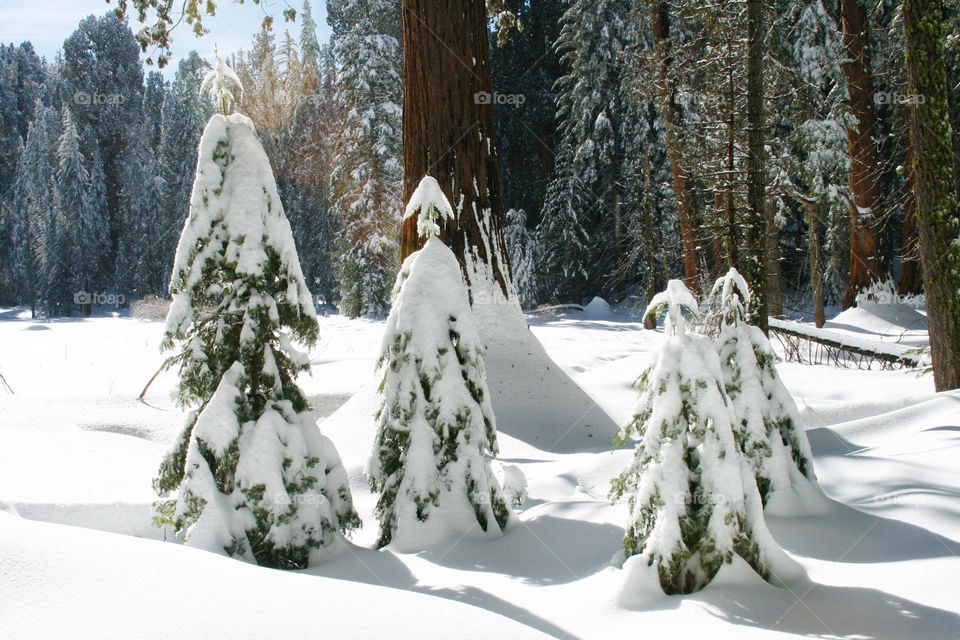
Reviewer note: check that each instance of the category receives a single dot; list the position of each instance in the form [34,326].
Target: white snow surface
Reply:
[79,558]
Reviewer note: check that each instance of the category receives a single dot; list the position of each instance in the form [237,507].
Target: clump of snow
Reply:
[429,204]
[221,83]
[597,308]
[435,425]
[513,481]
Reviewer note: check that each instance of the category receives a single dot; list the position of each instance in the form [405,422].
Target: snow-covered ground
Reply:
[79,557]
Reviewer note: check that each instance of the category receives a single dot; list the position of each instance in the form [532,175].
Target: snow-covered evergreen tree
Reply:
[593,192]
[36,177]
[435,426]
[186,86]
[253,475]
[693,501]
[101,80]
[151,271]
[766,423]
[176,164]
[75,264]
[23,264]
[367,177]
[565,239]
[525,253]
[310,49]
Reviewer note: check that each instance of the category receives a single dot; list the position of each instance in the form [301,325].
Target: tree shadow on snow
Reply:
[383,568]
[809,608]
[849,535]
[826,442]
[830,612]
[545,550]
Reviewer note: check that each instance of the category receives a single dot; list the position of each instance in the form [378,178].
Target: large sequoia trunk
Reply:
[934,185]
[448,133]
[670,112]
[865,266]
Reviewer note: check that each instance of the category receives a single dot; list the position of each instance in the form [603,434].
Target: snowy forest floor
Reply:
[79,557]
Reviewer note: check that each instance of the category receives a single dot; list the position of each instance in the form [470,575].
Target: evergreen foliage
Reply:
[366,181]
[253,475]
[693,501]
[435,426]
[766,424]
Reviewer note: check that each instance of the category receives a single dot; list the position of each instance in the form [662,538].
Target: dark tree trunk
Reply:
[755,261]
[732,241]
[816,261]
[448,133]
[911,276]
[670,112]
[774,292]
[865,219]
[934,185]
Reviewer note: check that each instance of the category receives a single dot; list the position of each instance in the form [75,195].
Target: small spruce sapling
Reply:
[693,502]
[766,421]
[252,475]
[435,426]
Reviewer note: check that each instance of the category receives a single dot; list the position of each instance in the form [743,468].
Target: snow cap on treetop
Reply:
[674,300]
[431,202]
[731,294]
[219,84]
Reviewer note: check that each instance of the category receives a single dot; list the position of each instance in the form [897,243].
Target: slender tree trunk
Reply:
[649,259]
[756,259]
[816,262]
[774,293]
[865,265]
[732,239]
[681,177]
[934,185]
[911,276]
[448,133]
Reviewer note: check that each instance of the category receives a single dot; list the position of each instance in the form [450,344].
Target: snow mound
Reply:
[597,308]
[61,581]
[883,319]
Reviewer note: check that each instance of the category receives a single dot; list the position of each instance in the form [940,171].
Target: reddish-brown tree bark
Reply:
[865,219]
[448,130]
[670,112]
